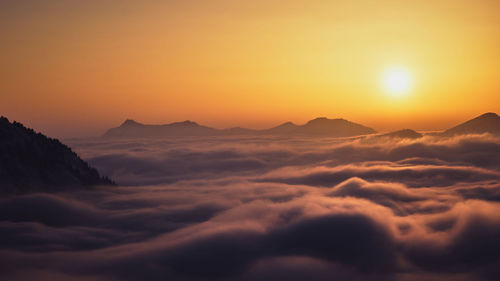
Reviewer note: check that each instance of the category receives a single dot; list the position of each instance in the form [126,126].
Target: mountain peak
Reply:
[132,129]
[187,123]
[334,127]
[283,128]
[318,119]
[322,120]
[403,134]
[488,115]
[485,123]
[286,125]
[130,122]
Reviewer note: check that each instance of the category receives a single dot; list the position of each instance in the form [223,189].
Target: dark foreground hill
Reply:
[30,161]
[316,127]
[486,123]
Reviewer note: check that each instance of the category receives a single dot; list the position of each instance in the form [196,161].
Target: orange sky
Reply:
[79,67]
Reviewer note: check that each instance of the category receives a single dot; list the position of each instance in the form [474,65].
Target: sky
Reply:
[76,68]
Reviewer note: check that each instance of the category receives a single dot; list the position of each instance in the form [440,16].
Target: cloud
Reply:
[143,162]
[266,209]
[415,175]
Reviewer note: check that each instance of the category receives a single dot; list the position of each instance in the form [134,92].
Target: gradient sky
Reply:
[76,68]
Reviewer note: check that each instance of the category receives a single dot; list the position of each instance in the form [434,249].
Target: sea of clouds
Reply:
[266,208]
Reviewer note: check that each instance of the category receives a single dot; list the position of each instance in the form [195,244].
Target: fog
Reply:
[266,208]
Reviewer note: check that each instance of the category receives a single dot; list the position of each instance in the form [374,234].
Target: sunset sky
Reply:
[76,68]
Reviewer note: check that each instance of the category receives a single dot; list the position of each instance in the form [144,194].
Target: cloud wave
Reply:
[266,209]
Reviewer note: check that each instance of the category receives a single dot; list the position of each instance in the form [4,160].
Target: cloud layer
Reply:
[266,209]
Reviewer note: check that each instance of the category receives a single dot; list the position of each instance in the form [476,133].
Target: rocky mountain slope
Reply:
[30,161]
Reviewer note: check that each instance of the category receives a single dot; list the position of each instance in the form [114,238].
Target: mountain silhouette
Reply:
[30,161]
[334,128]
[133,129]
[317,127]
[486,123]
[322,126]
[285,128]
[403,134]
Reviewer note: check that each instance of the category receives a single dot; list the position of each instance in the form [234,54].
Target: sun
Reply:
[397,81]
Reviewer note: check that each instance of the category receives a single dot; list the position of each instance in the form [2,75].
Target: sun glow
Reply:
[397,81]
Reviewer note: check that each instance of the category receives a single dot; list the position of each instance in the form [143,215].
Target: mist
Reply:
[259,208]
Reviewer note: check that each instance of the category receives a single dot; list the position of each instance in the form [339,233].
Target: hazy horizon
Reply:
[90,131]
[74,69]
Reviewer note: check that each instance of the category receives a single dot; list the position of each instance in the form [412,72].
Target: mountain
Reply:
[403,134]
[316,127]
[30,161]
[285,128]
[322,126]
[133,129]
[333,127]
[486,123]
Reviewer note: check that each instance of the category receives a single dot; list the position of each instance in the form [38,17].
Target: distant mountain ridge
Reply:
[317,127]
[30,161]
[322,126]
[131,128]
